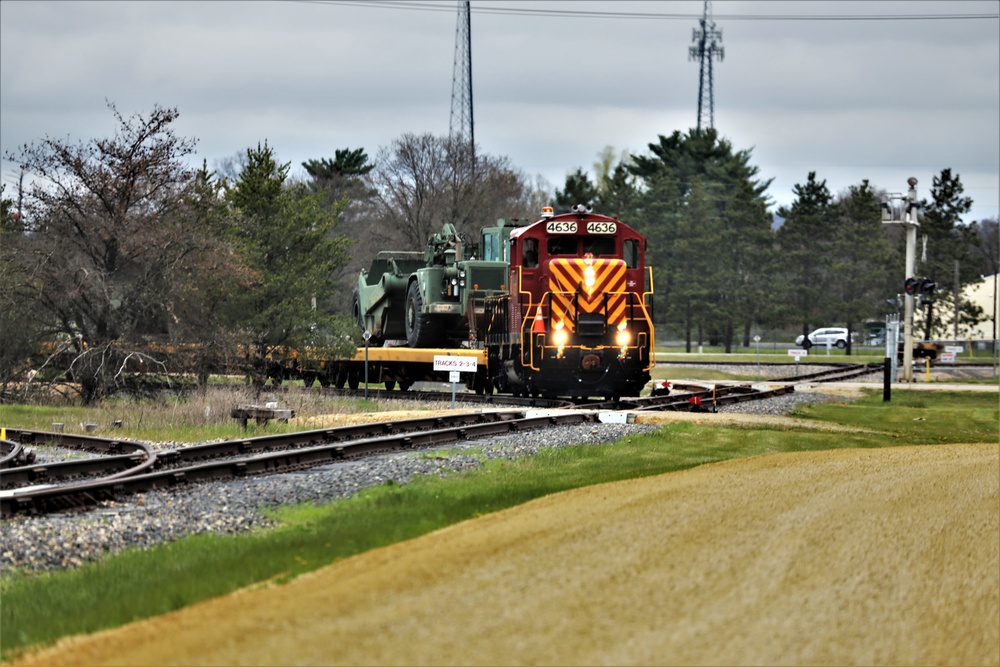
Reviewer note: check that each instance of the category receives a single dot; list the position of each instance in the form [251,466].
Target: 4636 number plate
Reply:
[602,228]
[561,227]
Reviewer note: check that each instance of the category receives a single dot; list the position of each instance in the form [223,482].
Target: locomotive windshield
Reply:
[578,246]
[599,245]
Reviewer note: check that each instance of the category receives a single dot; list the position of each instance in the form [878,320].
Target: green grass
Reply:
[41,608]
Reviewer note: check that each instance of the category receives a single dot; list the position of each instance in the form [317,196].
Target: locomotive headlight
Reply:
[622,338]
[454,281]
[560,336]
[589,278]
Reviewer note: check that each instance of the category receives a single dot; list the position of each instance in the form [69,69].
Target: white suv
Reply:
[832,335]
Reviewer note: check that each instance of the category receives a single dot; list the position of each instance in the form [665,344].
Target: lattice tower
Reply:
[461,125]
[707,47]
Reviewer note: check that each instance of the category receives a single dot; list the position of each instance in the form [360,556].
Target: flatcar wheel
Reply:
[390,384]
[353,380]
[405,386]
[341,378]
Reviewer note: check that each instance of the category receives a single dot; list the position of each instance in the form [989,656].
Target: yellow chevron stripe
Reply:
[567,283]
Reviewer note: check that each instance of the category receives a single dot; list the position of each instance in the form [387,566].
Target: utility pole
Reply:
[897,215]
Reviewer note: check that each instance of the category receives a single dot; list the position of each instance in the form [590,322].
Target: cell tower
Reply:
[460,126]
[708,46]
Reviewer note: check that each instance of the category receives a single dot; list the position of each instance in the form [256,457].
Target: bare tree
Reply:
[111,241]
[421,182]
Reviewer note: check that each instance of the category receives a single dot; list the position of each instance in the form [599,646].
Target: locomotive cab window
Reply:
[562,245]
[599,245]
[630,253]
[530,253]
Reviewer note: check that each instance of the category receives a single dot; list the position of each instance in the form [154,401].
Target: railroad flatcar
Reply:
[576,317]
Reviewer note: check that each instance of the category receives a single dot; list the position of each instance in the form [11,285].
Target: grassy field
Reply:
[195,417]
[39,609]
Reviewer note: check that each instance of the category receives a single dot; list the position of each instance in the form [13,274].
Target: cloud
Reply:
[850,99]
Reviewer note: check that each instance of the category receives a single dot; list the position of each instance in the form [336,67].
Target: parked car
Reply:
[835,336]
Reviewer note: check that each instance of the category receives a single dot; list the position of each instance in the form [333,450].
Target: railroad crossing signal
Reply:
[920,286]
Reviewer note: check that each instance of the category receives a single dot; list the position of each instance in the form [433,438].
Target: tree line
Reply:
[724,266]
[116,242]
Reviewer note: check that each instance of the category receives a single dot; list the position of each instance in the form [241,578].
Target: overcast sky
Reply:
[849,98]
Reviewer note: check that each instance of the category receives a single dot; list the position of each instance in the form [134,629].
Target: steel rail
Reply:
[114,467]
[119,459]
[834,374]
[62,472]
[11,454]
[87,494]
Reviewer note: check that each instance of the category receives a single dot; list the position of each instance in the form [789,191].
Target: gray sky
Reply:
[850,99]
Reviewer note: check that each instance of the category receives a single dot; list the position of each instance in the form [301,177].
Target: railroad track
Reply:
[122,467]
[252,456]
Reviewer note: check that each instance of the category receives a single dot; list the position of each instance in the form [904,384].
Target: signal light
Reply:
[927,288]
[922,287]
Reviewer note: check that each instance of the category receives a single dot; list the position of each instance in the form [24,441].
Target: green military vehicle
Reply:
[435,299]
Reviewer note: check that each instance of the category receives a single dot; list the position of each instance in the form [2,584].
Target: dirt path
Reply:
[841,557]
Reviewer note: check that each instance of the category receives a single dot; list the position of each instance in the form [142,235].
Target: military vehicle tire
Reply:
[422,330]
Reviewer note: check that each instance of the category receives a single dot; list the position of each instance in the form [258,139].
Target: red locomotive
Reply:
[576,318]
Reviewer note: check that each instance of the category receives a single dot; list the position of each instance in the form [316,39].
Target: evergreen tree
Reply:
[340,177]
[864,271]
[700,174]
[285,235]
[694,293]
[948,243]
[346,162]
[579,190]
[617,194]
[806,252]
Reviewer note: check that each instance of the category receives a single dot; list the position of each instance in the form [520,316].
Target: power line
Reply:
[665,16]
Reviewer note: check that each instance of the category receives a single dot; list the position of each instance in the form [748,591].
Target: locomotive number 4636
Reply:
[561,227]
[602,228]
